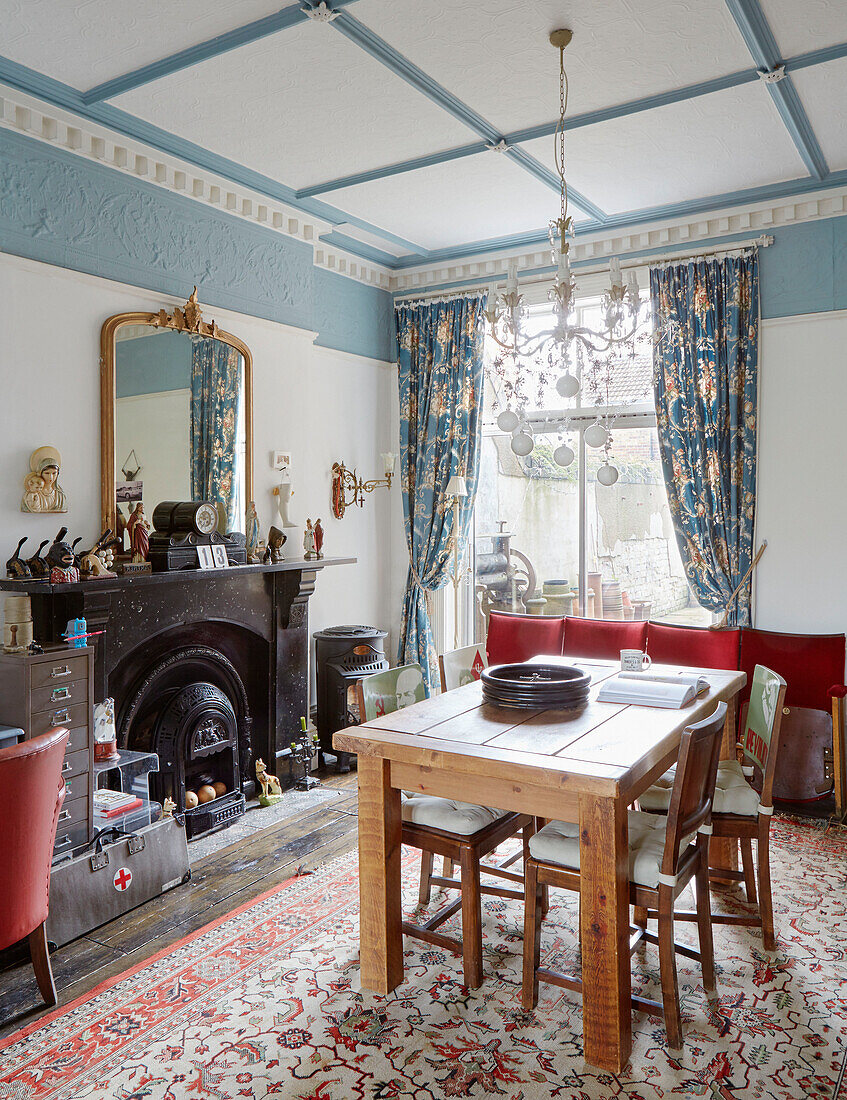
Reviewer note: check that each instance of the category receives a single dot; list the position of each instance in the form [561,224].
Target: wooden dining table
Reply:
[586,766]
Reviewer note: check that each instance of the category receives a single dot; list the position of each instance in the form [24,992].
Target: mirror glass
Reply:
[179,421]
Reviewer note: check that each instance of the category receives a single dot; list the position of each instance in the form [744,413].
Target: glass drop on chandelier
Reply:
[507,315]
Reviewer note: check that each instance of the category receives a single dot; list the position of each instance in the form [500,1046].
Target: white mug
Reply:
[633,660]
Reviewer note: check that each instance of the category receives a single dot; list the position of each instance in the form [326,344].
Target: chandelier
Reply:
[568,343]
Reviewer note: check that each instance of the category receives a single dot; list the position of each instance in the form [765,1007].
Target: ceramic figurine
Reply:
[276,540]
[42,491]
[138,528]
[271,790]
[309,541]
[37,565]
[16,567]
[60,558]
[283,494]
[252,534]
[120,524]
[319,538]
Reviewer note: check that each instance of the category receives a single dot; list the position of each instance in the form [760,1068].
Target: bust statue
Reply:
[42,491]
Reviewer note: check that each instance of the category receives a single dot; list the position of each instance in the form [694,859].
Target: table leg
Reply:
[604,932]
[380,932]
[723,851]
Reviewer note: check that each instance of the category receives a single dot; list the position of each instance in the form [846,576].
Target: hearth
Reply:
[343,655]
[191,709]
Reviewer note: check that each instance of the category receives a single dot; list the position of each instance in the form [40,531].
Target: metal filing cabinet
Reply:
[56,688]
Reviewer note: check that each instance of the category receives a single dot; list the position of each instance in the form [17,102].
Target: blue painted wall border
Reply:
[803,271]
[58,208]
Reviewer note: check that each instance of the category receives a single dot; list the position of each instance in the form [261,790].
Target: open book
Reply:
[653,689]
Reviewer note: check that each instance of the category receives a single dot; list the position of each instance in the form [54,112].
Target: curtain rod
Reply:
[765,241]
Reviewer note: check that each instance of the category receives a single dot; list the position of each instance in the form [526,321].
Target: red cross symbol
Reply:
[122,879]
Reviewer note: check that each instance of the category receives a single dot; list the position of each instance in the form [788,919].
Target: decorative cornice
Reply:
[600,245]
[36,119]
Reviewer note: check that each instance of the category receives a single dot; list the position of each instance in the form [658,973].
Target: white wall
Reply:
[802,500]
[320,405]
[166,468]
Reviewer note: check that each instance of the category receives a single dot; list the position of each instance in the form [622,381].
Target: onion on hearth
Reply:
[206,793]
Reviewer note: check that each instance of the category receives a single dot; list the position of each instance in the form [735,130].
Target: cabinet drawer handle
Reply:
[65,815]
[63,843]
[63,715]
[57,694]
[59,670]
[66,767]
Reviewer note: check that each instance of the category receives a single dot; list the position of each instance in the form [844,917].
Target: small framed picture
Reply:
[205,557]
[219,555]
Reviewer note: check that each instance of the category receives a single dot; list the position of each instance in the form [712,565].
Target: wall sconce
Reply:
[349,489]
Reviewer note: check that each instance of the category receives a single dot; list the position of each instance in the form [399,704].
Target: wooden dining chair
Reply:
[740,812]
[460,832]
[665,853]
[461,666]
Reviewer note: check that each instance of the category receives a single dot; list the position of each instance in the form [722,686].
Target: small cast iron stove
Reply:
[344,655]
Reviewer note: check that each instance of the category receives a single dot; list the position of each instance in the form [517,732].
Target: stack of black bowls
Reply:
[535,686]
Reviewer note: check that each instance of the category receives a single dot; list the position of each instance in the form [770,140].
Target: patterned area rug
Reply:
[265,1003]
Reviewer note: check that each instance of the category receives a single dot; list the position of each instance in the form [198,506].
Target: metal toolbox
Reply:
[117,873]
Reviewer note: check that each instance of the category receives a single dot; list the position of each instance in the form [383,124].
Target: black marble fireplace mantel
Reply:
[254,616]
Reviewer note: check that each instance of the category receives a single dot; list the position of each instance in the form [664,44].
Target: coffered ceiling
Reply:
[382,118]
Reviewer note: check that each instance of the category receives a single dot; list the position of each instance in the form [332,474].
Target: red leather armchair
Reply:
[31,794]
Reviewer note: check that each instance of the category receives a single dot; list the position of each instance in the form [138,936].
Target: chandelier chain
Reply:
[559,138]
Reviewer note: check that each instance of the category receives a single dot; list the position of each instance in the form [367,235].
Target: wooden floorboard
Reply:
[220,883]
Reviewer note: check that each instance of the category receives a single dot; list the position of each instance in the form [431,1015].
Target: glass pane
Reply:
[527,531]
[634,568]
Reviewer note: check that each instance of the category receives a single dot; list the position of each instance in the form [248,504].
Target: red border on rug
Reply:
[109,983]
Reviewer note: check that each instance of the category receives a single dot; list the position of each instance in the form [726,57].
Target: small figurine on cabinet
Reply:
[38,567]
[252,534]
[138,529]
[276,541]
[60,558]
[319,538]
[16,568]
[271,790]
[42,491]
[309,541]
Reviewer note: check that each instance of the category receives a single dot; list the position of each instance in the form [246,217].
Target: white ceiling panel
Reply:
[464,200]
[808,25]
[494,54]
[86,42]
[302,106]
[727,141]
[823,92]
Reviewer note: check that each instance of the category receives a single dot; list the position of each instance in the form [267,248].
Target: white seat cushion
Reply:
[733,793]
[558,842]
[463,818]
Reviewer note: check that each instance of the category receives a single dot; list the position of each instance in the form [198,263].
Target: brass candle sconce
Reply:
[348,488]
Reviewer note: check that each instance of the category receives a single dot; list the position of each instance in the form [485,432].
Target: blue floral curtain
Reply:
[705,379]
[215,414]
[441,378]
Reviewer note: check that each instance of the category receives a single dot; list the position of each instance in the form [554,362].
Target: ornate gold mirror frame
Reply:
[189,319]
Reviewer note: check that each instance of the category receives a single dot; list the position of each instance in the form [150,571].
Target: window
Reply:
[550,539]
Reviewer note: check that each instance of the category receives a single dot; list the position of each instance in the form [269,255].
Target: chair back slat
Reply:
[386,692]
[461,666]
[760,737]
[694,786]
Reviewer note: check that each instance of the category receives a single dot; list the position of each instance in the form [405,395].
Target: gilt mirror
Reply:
[176,415]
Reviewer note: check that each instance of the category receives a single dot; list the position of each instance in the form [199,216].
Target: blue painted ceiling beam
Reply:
[764,50]
[379,49]
[62,95]
[576,122]
[193,55]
